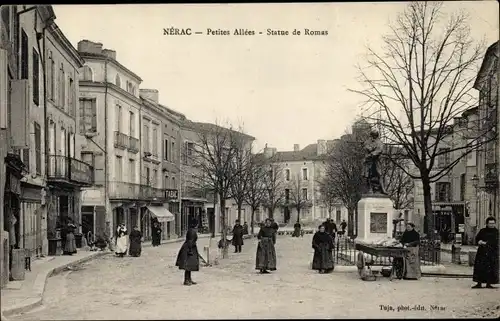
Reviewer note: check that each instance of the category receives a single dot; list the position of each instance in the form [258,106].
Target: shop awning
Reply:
[161,213]
[457,203]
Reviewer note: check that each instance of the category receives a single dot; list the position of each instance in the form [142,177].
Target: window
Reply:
[88,116]
[173,183]
[63,143]
[155,141]
[145,132]
[462,187]
[52,138]
[287,174]
[6,18]
[155,177]
[118,169]
[131,163]
[132,124]
[71,145]
[166,181]
[51,76]
[287,194]
[118,119]
[71,97]
[24,55]
[338,216]
[38,148]
[148,177]
[118,81]
[304,174]
[36,78]
[443,192]
[87,74]
[62,88]
[304,194]
[165,149]
[444,157]
[172,152]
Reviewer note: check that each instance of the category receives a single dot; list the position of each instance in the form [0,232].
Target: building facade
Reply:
[66,172]
[110,113]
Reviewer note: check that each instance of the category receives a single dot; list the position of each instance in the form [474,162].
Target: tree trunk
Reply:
[224,227]
[298,215]
[271,213]
[252,221]
[239,212]
[429,216]
[350,221]
[215,215]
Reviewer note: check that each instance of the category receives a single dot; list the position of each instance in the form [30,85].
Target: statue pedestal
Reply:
[375,213]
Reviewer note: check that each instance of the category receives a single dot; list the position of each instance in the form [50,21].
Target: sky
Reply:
[283,90]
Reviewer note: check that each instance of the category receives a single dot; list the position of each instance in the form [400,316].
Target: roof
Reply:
[104,57]
[61,38]
[491,52]
[308,153]
[199,126]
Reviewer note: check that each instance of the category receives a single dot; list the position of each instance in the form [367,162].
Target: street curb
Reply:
[40,284]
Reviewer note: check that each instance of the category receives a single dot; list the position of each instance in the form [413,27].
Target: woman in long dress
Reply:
[121,240]
[411,240]
[486,262]
[322,244]
[188,258]
[266,253]
[70,244]
[156,237]
[135,242]
[296,229]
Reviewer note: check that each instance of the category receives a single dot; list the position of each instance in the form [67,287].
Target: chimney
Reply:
[90,47]
[151,94]
[296,147]
[321,147]
[269,151]
[109,53]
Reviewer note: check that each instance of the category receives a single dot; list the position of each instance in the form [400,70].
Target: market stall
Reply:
[391,251]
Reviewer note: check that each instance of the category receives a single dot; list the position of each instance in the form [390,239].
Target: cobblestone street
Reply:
[150,287]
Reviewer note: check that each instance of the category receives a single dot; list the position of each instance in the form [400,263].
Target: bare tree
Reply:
[398,184]
[256,191]
[299,198]
[274,186]
[214,156]
[419,84]
[327,195]
[241,170]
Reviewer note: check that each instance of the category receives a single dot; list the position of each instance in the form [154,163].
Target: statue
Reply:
[373,148]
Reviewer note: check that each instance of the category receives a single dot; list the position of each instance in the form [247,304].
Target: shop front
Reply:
[449,217]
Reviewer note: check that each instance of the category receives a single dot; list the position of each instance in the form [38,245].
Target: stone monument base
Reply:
[375,213]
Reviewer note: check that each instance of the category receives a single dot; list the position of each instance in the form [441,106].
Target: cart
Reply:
[384,251]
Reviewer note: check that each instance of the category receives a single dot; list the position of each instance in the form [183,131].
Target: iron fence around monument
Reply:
[345,253]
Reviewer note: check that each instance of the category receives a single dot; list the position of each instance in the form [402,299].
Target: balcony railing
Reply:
[121,140]
[133,145]
[191,192]
[131,191]
[68,169]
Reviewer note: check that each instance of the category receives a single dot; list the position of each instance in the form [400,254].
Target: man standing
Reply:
[343,226]
[237,236]
[245,228]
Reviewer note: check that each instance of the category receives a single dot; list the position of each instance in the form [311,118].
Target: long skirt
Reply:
[486,266]
[70,244]
[412,264]
[135,248]
[296,232]
[322,259]
[266,255]
[188,258]
[121,245]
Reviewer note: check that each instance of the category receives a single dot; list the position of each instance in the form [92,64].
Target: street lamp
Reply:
[475,183]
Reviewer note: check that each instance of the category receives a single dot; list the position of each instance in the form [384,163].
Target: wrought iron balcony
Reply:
[133,145]
[121,140]
[131,191]
[68,170]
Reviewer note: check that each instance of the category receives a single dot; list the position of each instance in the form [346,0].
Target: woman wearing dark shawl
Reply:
[266,253]
[135,248]
[156,234]
[188,258]
[411,240]
[486,263]
[296,229]
[70,244]
[322,244]
[237,236]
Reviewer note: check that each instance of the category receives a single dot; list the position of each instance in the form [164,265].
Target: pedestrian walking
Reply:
[486,263]
[343,226]
[70,244]
[135,248]
[188,257]
[266,253]
[156,234]
[245,228]
[296,229]
[121,240]
[237,236]
[322,244]
[275,227]
[411,240]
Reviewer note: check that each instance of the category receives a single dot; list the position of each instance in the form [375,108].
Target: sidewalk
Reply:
[20,296]
[464,249]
